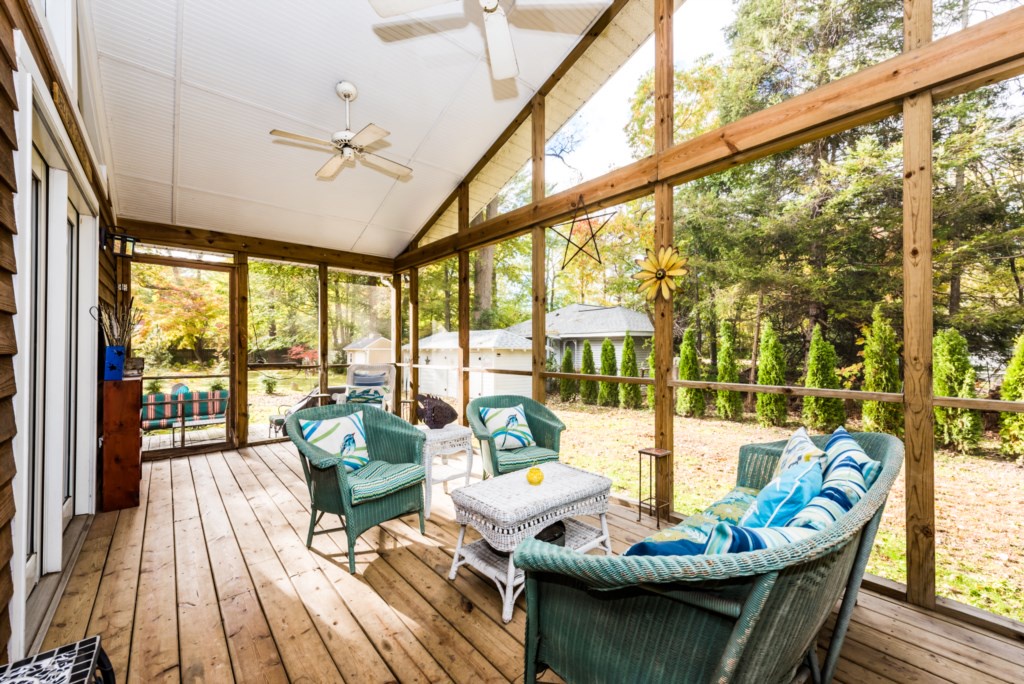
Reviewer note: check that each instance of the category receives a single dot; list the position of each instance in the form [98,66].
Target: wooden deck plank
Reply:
[354,654]
[113,615]
[254,654]
[154,652]
[203,644]
[302,651]
[244,578]
[71,620]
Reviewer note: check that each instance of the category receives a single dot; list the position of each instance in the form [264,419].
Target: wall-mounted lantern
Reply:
[121,245]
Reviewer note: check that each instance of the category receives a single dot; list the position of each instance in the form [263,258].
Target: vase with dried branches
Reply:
[117,323]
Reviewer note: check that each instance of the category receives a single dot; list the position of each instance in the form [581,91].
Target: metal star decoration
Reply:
[582,222]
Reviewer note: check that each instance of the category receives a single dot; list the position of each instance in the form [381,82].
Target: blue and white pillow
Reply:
[367,395]
[508,427]
[726,538]
[785,496]
[344,436]
[848,475]
[798,449]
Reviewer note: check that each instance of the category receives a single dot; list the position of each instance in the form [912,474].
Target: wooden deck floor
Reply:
[209,580]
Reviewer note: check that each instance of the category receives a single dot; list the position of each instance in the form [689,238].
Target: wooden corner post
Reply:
[917,321]
[414,339]
[538,271]
[240,352]
[396,341]
[325,341]
[664,412]
[463,380]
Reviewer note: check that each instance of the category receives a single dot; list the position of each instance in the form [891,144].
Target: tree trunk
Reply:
[754,348]
[483,282]
[1016,280]
[447,299]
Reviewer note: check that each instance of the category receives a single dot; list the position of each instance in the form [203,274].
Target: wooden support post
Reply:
[396,342]
[664,405]
[239,400]
[414,338]
[463,333]
[539,312]
[917,322]
[324,329]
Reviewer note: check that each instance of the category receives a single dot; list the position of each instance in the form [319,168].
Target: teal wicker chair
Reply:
[744,617]
[545,426]
[389,439]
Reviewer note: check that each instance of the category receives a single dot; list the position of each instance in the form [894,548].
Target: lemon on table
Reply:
[535,475]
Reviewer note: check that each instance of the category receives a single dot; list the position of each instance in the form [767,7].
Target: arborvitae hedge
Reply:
[1011,425]
[822,413]
[771,370]
[729,404]
[608,392]
[953,376]
[629,394]
[588,388]
[882,374]
[566,387]
[689,401]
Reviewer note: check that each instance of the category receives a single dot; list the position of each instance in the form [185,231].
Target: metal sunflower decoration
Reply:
[657,272]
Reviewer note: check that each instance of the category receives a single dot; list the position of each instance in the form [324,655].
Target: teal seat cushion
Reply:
[379,478]
[517,459]
[697,528]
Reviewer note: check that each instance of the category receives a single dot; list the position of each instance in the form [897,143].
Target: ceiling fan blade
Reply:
[499,45]
[301,138]
[370,134]
[329,170]
[392,8]
[391,167]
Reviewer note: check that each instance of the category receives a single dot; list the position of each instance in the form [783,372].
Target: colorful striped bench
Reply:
[183,410]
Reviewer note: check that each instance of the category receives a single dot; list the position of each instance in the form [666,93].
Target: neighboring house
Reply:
[498,349]
[569,326]
[369,349]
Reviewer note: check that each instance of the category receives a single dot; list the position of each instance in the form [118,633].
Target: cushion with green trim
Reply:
[517,459]
[377,479]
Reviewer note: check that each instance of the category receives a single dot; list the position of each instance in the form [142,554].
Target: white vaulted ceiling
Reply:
[189,89]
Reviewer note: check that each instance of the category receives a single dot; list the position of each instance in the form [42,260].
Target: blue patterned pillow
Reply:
[798,449]
[508,427]
[848,475]
[785,496]
[344,436]
[726,538]
[696,528]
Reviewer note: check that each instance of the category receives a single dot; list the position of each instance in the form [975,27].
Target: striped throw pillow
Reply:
[508,427]
[726,538]
[798,449]
[344,436]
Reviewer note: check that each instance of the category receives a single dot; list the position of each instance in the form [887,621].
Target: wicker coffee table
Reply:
[507,509]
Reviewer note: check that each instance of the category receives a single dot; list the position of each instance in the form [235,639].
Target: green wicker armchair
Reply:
[389,439]
[545,426]
[744,617]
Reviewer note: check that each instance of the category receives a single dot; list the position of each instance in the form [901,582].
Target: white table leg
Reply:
[458,553]
[469,458]
[607,544]
[508,594]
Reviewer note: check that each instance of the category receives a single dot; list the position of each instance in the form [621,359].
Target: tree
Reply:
[690,401]
[771,370]
[1011,425]
[629,393]
[588,388]
[567,387]
[608,392]
[882,374]
[651,391]
[953,376]
[729,404]
[822,413]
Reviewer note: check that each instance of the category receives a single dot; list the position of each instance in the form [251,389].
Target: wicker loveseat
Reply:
[545,426]
[743,617]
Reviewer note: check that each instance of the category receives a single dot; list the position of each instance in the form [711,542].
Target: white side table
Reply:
[451,439]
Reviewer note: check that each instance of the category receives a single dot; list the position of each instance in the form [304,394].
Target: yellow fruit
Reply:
[535,476]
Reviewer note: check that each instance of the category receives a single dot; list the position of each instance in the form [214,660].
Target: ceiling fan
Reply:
[349,146]
[499,38]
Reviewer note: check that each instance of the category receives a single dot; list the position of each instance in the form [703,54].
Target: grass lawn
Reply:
[978,499]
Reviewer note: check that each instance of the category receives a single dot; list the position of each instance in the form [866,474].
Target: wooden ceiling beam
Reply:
[199,238]
[965,60]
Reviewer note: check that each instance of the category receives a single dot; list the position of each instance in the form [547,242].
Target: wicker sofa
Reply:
[744,617]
